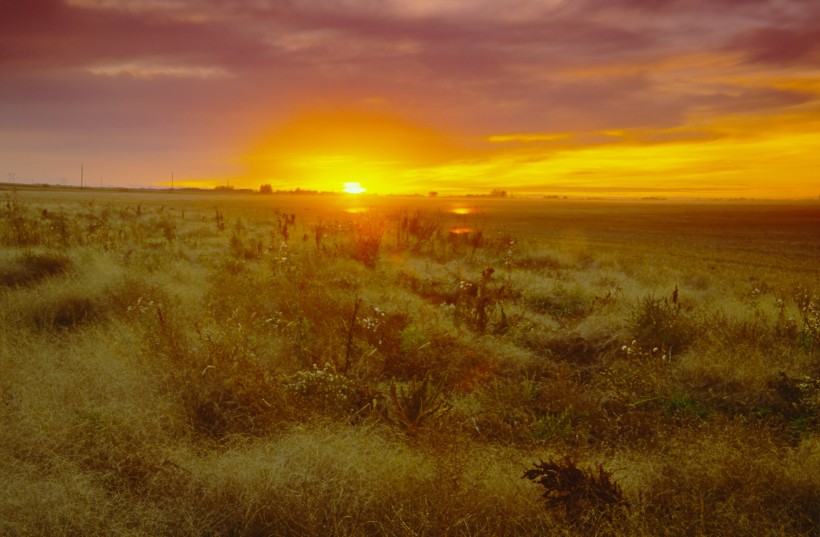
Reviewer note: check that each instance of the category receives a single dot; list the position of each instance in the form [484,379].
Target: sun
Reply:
[353,188]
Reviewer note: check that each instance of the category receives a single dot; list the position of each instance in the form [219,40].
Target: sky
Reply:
[668,98]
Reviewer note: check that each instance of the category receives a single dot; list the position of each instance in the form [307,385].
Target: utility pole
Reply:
[11,178]
[81,175]
[172,180]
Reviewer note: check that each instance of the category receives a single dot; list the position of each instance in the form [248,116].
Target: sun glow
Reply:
[353,188]
[319,149]
[720,157]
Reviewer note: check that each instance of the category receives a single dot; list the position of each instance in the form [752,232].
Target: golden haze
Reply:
[770,156]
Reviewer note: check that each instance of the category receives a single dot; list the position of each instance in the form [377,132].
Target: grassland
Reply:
[245,365]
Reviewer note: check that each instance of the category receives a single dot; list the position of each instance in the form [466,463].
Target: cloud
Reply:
[779,46]
[42,35]
[199,75]
[144,70]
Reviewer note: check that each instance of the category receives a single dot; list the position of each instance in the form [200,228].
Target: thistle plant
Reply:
[576,490]
[416,403]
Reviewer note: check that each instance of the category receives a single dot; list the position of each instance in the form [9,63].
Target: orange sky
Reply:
[684,98]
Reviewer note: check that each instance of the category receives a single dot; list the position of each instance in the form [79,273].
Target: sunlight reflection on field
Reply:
[357,210]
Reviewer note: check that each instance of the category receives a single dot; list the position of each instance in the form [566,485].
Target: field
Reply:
[227,364]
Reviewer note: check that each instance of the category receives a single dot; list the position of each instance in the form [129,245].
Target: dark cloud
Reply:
[780,45]
[52,35]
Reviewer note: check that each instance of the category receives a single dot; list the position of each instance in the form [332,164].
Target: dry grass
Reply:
[262,365]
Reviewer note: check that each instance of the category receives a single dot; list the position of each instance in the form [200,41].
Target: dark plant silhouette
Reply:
[576,490]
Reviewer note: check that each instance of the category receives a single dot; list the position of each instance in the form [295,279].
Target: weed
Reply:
[330,393]
[17,228]
[414,230]
[416,403]
[807,305]
[365,241]
[658,323]
[797,400]
[574,489]
[477,300]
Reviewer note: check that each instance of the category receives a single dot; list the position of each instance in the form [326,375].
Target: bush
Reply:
[576,490]
[365,241]
[656,322]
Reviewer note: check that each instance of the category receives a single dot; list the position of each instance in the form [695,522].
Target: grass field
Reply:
[224,364]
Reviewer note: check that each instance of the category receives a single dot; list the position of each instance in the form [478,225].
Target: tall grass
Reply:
[218,366]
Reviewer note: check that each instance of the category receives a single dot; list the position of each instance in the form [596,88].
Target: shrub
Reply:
[365,241]
[658,323]
[416,229]
[478,301]
[575,490]
[223,388]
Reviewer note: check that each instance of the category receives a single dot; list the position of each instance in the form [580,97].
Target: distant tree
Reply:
[432,194]
[265,189]
[498,193]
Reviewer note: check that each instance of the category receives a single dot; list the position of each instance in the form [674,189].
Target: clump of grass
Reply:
[795,399]
[416,403]
[33,267]
[659,323]
[69,311]
[417,229]
[222,384]
[17,228]
[726,479]
[564,303]
[245,246]
[366,242]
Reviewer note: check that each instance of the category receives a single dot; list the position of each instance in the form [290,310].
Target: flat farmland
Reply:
[209,363]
